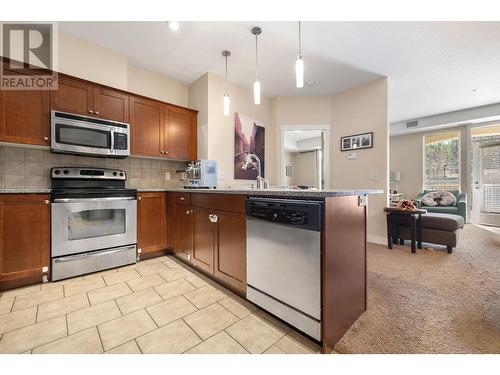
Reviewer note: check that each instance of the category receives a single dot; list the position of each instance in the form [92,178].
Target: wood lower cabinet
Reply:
[24,239]
[230,249]
[210,233]
[181,227]
[203,239]
[152,222]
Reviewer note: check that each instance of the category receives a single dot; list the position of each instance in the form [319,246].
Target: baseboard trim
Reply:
[376,239]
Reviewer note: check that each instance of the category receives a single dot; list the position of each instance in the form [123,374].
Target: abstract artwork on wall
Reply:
[249,137]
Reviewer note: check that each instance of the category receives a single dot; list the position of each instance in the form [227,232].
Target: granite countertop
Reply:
[276,192]
[25,191]
[272,192]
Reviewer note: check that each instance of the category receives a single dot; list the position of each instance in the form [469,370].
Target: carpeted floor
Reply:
[432,301]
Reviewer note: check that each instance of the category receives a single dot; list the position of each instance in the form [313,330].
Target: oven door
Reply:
[85,224]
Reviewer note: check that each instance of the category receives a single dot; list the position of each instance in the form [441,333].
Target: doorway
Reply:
[486,175]
[304,157]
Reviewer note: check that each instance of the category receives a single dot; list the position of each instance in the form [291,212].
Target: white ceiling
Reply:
[433,66]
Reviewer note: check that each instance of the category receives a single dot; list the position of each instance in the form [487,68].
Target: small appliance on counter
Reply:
[201,174]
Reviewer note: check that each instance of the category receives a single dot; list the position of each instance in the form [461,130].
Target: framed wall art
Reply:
[356,142]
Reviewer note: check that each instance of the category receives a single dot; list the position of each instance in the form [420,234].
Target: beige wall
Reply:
[305,169]
[198,99]
[218,136]
[355,111]
[81,58]
[407,153]
[303,110]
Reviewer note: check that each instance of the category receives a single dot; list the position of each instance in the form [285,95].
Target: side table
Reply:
[412,218]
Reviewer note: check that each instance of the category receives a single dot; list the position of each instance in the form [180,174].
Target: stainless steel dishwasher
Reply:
[284,260]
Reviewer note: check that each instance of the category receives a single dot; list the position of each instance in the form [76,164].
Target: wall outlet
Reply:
[167,175]
[183,176]
[352,156]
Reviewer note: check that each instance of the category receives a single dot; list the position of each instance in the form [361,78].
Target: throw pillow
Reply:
[439,198]
[428,200]
[447,198]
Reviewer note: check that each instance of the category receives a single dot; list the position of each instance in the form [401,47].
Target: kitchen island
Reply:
[207,229]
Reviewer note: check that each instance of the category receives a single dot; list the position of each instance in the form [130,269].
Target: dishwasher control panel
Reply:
[302,214]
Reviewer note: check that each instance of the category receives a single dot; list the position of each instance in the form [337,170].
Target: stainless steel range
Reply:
[93,221]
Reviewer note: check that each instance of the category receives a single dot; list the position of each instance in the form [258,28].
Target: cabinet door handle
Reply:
[166,152]
[45,138]
[188,212]
[139,198]
[91,111]
[182,198]
[46,201]
[213,218]
[96,112]
[162,151]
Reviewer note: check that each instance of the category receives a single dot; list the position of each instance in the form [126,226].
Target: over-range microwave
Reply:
[76,134]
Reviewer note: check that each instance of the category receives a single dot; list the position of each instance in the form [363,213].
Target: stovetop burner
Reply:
[83,182]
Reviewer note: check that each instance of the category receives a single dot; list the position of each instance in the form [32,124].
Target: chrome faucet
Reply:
[262,183]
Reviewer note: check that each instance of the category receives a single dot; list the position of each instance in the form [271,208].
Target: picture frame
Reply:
[356,142]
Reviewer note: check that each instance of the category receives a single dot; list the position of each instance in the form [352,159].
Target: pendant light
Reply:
[299,65]
[256,85]
[226,99]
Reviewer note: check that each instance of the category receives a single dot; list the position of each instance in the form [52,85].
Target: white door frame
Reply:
[326,150]
[473,212]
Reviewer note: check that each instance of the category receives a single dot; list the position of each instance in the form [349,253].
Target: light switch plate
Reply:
[167,175]
[352,156]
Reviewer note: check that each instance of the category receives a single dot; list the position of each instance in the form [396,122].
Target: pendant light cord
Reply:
[300,41]
[256,59]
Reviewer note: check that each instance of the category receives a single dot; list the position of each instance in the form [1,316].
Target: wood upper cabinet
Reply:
[203,235]
[146,120]
[151,222]
[230,249]
[24,238]
[180,140]
[73,96]
[111,105]
[24,117]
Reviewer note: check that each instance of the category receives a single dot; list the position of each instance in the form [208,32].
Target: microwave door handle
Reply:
[112,149]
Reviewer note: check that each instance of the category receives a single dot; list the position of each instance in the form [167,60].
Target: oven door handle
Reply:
[85,200]
[112,148]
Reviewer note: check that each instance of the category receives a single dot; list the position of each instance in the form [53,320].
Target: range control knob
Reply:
[114,173]
[66,171]
[121,174]
[57,172]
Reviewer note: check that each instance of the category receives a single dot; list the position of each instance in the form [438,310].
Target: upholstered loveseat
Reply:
[460,208]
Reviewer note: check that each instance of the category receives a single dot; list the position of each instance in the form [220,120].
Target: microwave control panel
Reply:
[120,141]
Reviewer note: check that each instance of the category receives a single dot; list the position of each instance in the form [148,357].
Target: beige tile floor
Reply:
[156,306]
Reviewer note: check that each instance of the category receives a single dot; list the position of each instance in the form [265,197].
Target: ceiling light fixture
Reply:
[226,99]
[256,30]
[174,26]
[299,65]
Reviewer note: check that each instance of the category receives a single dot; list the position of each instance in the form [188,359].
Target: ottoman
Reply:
[441,229]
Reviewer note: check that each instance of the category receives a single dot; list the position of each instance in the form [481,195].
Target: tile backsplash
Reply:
[30,168]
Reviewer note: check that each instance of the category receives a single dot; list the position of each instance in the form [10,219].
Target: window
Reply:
[442,161]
